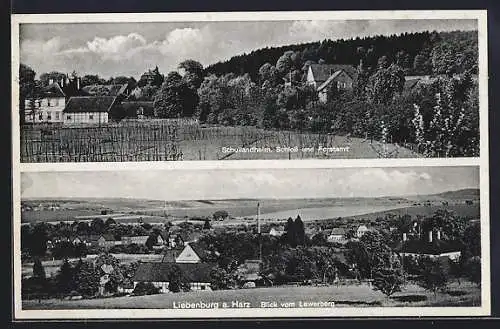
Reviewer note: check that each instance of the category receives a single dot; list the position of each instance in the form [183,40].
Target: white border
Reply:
[482,161]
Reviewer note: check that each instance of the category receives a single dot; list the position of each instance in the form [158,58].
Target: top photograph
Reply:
[248,86]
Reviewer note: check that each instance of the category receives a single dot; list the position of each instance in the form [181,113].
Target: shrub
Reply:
[145,288]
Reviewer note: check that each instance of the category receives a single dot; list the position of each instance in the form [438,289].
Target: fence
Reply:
[126,141]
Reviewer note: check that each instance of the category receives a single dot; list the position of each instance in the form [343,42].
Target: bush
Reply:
[145,288]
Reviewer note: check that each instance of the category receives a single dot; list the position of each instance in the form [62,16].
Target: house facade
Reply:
[337,235]
[88,110]
[158,273]
[362,229]
[48,108]
[324,76]
[139,239]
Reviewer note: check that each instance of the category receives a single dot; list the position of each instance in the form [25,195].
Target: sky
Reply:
[112,49]
[183,184]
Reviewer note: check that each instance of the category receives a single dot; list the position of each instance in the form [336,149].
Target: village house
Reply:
[89,110]
[192,261]
[362,229]
[324,76]
[276,231]
[158,273]
[107,241]
[337,235]
[48,108]
[138,239]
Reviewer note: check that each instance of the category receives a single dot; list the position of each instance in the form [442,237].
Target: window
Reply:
[39,103]
[91,117]
[40,116]
[56,101]
[57,115]
[68,117]
[48,102]
[49,115]
[202,287]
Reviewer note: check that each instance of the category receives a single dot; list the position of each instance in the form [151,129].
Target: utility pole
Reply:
[259,233]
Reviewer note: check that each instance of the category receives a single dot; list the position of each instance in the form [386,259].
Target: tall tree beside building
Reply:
[168,102]
[38,270]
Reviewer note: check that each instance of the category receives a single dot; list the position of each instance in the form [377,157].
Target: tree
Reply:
[53,76]
[97,226]
[177,281]
[299,231]
[388,280]
[145,288]
[385,84]
[207,225]
[65,278]
[221,279]
[152,241]
[28,90]
[432,275]
[473,270]
[168,101]
[193,73]
[109,222]
[289,235]
[92,79]
[38,270]
[38,240]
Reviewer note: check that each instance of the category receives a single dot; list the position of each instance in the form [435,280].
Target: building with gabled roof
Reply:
[48,107]
[89,109]
[158,273]
[323,76]
[337,235]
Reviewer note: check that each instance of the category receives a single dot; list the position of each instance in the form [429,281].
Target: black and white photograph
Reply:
[274,86]
[286,242]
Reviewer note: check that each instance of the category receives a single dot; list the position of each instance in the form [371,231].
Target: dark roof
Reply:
[200,249]
[159,272]
[82,104]
[53,90]
[322,72]
[435,247]
[170,255]
[337,231]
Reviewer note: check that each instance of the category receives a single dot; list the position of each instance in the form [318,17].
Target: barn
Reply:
[89,110]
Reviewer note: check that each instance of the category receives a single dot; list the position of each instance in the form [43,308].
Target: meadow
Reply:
[357,295]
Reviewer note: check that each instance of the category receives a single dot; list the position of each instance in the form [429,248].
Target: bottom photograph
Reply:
[250,242]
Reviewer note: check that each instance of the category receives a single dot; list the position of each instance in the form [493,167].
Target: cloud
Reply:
[40,48]
[118,47]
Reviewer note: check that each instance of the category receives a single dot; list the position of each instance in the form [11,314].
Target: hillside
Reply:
[413,51]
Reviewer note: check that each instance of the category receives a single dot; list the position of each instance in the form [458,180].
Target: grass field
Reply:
[159,140]
[465,294]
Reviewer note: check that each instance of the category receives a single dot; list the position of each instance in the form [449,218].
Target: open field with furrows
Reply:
[361,295]
[160,140]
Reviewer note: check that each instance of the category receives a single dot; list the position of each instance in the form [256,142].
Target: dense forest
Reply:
[414,52]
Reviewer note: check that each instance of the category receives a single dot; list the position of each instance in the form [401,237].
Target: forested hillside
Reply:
[417,53]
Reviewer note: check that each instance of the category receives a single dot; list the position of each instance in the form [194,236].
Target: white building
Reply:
[48,108]
[88,109]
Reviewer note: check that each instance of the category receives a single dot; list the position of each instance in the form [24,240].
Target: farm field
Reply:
[343,296]
[160,140]
[153,211]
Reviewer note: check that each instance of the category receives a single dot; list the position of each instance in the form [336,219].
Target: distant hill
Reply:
[412,51]
[472,193]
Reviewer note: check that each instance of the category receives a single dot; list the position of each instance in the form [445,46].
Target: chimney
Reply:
[404,237]
[430,236]
[438,236]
